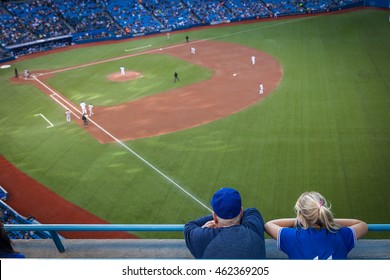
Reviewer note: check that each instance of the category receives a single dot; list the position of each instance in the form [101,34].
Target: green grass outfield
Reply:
[325,128]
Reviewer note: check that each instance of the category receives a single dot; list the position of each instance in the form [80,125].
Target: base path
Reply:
[233,87]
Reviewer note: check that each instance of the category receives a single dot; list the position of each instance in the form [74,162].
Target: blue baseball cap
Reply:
[226,203]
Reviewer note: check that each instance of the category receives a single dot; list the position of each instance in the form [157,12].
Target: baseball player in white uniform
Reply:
[68,115]
[83,106]
[193,50]
[90,109]
[261,89]
[123,73]
[253,60]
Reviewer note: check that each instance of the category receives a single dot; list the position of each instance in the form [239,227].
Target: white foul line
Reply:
[50,124]
[122,144]
[143,47]
[150,165]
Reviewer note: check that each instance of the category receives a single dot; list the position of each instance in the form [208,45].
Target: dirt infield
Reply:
[197,104]
[233,87]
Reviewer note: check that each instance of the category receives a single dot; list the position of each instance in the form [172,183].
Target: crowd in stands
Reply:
[211,11]
[86,17]
[320,6]
[172,13]
[12,30]
[33,20]
[243,9]
[39,18]
[285,7]
[132,16]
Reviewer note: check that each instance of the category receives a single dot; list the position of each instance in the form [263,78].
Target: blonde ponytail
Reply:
[313,210]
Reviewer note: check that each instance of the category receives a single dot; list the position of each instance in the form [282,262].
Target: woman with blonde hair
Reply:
[315,233]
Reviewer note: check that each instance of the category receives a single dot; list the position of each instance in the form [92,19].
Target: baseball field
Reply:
[156,150]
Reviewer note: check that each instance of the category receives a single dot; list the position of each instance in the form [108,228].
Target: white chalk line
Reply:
[150,165]
[139,48]
[49,122]
[121,143]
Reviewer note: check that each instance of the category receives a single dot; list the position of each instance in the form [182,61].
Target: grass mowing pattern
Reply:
[325,128]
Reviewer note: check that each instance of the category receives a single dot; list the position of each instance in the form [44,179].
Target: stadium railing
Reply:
[54,228]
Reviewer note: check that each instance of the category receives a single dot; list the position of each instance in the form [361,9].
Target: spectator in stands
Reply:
[229,233]
[6,249]
[314,233]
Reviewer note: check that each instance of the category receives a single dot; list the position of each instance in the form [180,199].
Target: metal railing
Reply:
[54,228]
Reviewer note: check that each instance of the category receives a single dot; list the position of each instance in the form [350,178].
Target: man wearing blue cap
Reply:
[229,233]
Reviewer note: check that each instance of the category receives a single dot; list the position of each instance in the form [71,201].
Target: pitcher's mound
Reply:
[130,75]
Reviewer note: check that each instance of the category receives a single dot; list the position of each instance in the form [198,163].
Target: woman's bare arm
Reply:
[359,227]
[272,227]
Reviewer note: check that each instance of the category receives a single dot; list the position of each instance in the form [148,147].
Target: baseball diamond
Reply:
[321,123]
[189,106]
[193,105]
